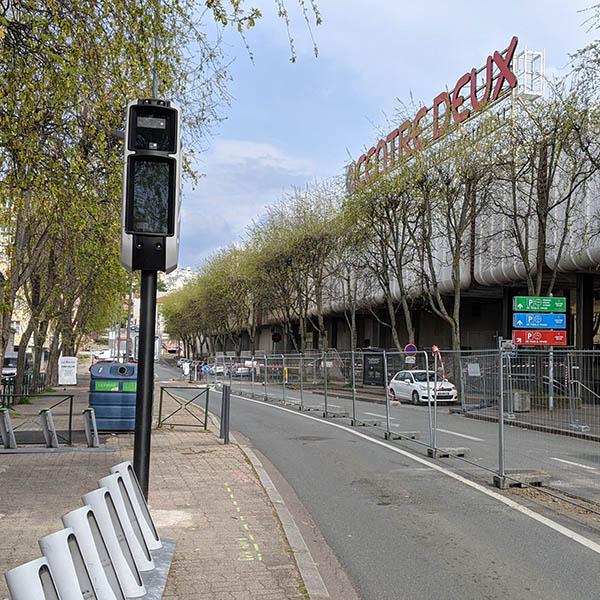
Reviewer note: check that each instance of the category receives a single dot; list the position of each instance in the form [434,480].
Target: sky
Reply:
[289,124]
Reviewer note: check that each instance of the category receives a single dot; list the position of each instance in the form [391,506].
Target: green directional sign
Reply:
[550,304]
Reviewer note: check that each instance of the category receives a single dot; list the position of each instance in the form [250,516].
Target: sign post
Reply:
[67,370]
[149,238]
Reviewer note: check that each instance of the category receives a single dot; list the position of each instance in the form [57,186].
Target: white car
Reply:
[105,354]
[413,386]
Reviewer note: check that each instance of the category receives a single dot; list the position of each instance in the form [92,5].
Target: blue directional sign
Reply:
[539,321]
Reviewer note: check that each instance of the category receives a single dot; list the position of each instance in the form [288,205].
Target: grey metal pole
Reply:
[501,421]
[324,355]
[301,382]
[266,377]
[353,389]
[431,444]
[283,378]
[435,392]
[225,416]
[222,427]
[145,381]
[387,396]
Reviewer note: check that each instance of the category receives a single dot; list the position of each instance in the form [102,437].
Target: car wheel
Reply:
[415,397]
[392,395]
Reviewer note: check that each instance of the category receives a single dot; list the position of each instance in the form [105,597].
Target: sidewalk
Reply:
[230,544]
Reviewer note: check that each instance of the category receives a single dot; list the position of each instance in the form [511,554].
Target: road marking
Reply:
[380,416]
[462,435]
[576,464]
[569,533]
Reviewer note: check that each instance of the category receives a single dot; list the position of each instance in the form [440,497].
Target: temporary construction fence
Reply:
[524,415]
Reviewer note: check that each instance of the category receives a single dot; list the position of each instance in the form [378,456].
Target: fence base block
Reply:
[156,580]
[334,414]
[447,452]
[360,423]
[402,435]
[521,478]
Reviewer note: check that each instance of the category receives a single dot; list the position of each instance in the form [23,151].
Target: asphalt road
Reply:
[572,464]
[404,530]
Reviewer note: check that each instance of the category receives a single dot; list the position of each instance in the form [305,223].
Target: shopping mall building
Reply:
[492,272]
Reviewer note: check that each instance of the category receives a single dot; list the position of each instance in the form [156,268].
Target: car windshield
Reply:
[421,376]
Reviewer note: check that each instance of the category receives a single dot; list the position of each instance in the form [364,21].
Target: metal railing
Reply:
[182,406]
[64,399]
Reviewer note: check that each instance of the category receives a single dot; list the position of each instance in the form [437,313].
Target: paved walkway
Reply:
[230,544]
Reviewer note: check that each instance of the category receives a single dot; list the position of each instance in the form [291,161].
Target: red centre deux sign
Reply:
[448,108]
[524,337]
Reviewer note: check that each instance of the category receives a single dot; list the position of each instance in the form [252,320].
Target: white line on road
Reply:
[462,435]
[569,533]
[576,464]
[376,415]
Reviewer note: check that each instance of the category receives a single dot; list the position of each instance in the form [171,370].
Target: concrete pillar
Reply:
[584,335]
[507,311]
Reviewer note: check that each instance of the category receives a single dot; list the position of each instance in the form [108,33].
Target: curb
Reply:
[309,572]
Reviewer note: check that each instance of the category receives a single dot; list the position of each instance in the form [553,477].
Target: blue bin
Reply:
[112,395]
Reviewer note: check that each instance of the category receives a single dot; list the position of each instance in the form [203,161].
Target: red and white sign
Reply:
[473,92]
[524,337]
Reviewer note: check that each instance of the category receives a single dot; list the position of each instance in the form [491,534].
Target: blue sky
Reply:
[289,124]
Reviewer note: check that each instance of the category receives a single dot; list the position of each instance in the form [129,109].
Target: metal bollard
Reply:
[7,433]
[48,428]
[225,410]
[91,430]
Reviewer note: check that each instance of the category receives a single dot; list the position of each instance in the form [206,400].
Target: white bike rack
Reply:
[115,485]
[6,429]
[139,504]
[95,553]
[32,581]
[48,428]
[91,429]
[63,553]
[101,503]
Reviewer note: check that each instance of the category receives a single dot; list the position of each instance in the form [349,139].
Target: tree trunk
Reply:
[52,368]
[21,356]
[392,315]
[39,337]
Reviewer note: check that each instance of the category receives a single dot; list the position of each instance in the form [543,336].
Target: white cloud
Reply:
[258,154]
[242,178]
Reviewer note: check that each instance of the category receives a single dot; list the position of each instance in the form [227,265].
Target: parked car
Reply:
[105,354]
[9,368]
[241,371]
[413,386]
